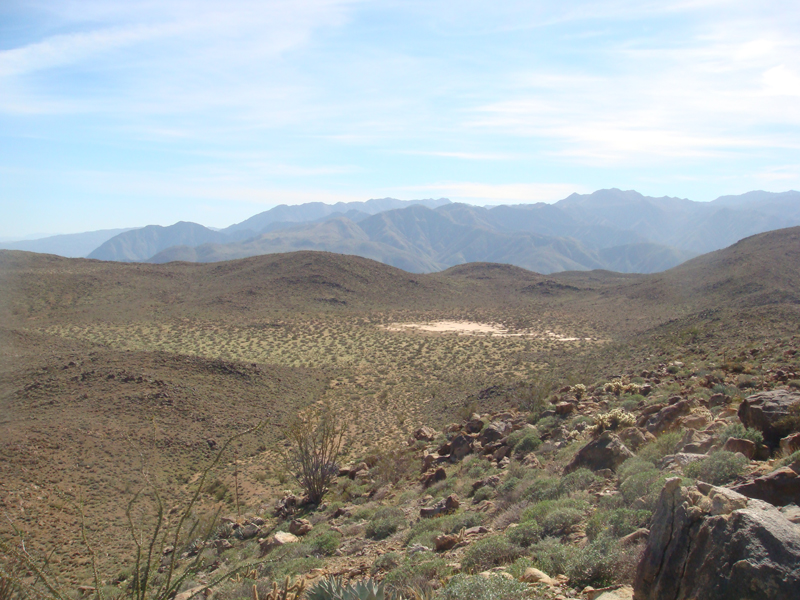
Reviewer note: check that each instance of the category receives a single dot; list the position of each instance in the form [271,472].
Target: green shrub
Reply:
[482,494]
[384,523]
[475,587]
[525,534]
[490,552]
[527,441]
[543,488]
[387,562]
[737,430]
[719,468]
[539,511]
[785,462]
[646,485]
[547,423]
[576,481]
[616,522]
[417,572]
[325,543]
[665,444]
[559,521]
[444,524]
[551,556]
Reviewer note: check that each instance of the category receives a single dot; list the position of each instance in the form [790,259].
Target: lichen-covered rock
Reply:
[606,452]
[765,410]
[713,543]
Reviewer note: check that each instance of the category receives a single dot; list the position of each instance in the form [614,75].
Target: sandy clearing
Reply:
[475,328]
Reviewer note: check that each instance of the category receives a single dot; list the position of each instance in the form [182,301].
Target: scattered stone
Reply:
[746,447]
[221,545]
[635,537]
[623,592]
[533,575]
[565,408]
[762,411]
[425,434]
[491,481]
[447,505]
[695,442]
[477,530]
[446,541]
[718,400]
[680,459]
[279,539]
[248,532]
[300,527]
[606,452]
[474,425]
[692,535]
[531,461]
[779,488]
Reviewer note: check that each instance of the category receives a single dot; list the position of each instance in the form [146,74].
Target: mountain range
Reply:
[610,229]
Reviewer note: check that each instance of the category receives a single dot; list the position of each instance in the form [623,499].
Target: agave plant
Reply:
[333,588]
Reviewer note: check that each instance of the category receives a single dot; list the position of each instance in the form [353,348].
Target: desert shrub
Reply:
[547,423]
[576,481]
[387,562]
[476,466]
[633,465]
[482,494]
[719,468]
[384,523]
[543,488]
[551,556]
[525,534]
[616,522]
[316,439]
[792,458]
[524,443]
[444,524]
[738,430]
[539,511]
[476,587]
[218,489]
[662,446]
[391,465]
[416,572]
[325,543]
[578,390]
[794,383]
[559,521]
[645,485]
[595,564]
[631,403]
[790,423]
[508,486]
[490,552]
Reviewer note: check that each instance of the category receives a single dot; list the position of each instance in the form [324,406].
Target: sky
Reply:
[137,112]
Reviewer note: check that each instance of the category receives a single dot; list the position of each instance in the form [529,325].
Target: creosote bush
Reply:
[737,430]
[476,587]
[490,552]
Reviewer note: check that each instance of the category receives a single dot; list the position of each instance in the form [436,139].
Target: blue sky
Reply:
[117,114]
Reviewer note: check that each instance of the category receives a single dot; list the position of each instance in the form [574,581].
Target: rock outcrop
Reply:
[765,410]
[713,543]
[606,452]
[780,488]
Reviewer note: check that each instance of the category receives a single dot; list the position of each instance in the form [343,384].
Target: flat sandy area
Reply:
[473,328]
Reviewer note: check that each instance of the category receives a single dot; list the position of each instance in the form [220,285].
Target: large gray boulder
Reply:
[606,452]
[765,410]
[712,543]
[781,487]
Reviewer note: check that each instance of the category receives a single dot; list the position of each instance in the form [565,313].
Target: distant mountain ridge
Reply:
[609,229]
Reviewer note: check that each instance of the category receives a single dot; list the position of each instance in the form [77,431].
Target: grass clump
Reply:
[719,468]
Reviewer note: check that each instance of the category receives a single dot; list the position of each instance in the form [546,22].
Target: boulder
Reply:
[494,432]
[634,438]
[667,418]
[791,443]
[279,539]
[780,488]
[746,447]
[300,527]
[533,575]
[713,543]
[474,425]
[623,592]
[491,481]
[446,541]
[565,408]
[447,505]
[430,478]
[680,459]
[425,434]
[249,531]
[606,452]
[695,442]
[460,446]
[764,410]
